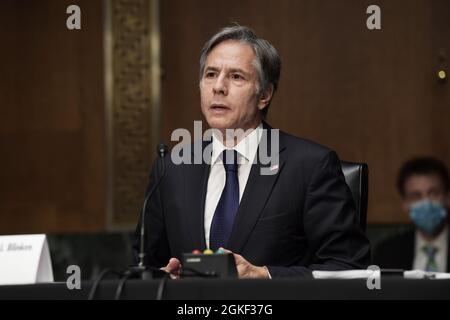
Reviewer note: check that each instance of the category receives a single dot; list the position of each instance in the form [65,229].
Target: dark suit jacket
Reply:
[300,219]
[397,252]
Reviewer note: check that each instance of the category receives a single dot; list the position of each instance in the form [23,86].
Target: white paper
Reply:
[346,274]
[420,274]
[365,274]
[25,259]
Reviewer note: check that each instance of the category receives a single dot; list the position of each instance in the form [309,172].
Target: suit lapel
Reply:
[256,194]
[195,182]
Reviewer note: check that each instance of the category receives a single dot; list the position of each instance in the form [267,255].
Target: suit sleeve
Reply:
[156,244]
[335,240]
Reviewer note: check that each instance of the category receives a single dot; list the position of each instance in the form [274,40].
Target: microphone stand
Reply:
[142,270]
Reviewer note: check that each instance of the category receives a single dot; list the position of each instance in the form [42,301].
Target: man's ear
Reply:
[265,97]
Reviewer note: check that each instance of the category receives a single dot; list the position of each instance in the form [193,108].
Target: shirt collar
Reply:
[246,148]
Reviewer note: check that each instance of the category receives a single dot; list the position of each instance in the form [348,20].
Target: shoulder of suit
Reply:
[303,147]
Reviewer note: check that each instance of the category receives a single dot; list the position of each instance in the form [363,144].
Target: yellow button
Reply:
[208,251]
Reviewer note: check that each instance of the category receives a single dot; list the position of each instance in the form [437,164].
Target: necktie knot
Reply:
[229,158]
[430,251]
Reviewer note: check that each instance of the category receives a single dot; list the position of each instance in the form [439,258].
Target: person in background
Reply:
[424,186]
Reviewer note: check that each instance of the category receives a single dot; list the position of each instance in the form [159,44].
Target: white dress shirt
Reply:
[440,243]
[246,150]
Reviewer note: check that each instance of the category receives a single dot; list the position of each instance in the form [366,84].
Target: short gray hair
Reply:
[267,62]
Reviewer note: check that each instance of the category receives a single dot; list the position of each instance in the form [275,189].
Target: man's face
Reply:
[229,86]
[424,187]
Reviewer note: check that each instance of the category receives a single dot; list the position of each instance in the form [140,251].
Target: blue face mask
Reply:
[427,216]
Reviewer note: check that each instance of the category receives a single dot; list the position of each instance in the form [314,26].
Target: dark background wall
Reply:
[373,96]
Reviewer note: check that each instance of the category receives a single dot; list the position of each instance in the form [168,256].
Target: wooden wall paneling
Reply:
[52,165]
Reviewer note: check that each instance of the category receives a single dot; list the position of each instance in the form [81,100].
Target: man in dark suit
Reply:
[281,218]
[424,186]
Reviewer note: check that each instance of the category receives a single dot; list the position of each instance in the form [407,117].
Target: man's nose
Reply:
[221,85]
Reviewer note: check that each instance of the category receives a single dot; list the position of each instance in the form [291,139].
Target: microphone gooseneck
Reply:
[161,150]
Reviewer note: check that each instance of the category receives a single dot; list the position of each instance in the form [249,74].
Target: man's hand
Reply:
[247,270]
[173,268]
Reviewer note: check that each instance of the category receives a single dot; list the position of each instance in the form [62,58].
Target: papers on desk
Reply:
[365,274]
[346,274]
[420,274]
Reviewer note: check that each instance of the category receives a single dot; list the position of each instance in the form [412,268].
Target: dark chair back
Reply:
[357,178]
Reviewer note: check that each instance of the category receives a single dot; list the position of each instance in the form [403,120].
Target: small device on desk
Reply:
[209,264]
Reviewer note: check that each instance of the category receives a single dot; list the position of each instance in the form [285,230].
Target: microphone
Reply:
[161,150]
[141,270]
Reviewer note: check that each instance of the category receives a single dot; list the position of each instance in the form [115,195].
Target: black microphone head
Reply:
[161,150]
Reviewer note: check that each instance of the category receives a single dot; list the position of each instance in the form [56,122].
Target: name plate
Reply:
[25,259]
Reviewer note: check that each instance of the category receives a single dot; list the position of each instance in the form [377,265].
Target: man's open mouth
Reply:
[219,107]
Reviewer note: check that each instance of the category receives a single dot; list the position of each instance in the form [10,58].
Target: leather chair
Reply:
[357,178]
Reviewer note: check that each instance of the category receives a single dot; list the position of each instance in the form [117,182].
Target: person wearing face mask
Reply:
[424,186]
